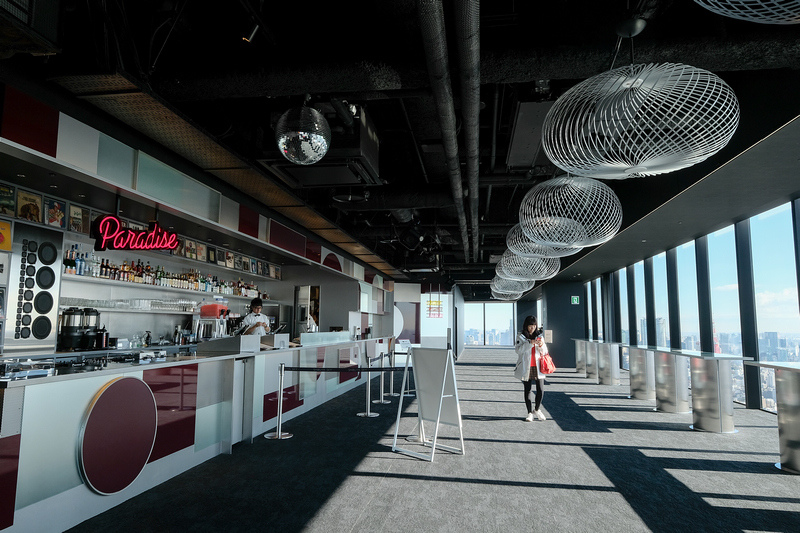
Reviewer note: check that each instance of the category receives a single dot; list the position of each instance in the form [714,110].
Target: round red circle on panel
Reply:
[118,434]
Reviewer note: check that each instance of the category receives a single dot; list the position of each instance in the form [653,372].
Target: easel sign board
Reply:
[437,398]
[430,370]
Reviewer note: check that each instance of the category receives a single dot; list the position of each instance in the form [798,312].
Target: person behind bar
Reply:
[255,323]
[529,347]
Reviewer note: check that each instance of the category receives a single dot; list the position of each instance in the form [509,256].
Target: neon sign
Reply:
[109,234]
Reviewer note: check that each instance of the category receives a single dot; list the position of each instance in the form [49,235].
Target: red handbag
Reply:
[546,364]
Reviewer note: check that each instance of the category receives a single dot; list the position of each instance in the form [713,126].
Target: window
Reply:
[775,282]
[589,308]
[473,324]
[599,309]
[623,315]
[687,297]
[489,324]
[725,302]
[661,299]
[641,308]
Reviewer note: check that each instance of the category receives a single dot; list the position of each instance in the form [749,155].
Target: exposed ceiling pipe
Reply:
[493,158]
[431,21]
[469,51]
[393,198]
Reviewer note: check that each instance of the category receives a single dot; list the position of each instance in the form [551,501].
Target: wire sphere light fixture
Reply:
[506,295]
[640,120]
[761,11]
[514,267]
[303,135]
[520,244]
[570,211]
[509,285]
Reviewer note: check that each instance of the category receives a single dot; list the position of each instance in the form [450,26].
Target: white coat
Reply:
[523,349]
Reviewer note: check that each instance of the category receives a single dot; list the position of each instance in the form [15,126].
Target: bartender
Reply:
[255,323]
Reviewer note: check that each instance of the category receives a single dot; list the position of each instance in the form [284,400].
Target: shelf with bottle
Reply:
[89,267]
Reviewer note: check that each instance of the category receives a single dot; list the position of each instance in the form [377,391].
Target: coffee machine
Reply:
[78,329]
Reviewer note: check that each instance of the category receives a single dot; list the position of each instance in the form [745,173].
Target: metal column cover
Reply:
[580,357]
[591,361]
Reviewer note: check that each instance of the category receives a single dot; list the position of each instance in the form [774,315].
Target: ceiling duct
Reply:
[352,159]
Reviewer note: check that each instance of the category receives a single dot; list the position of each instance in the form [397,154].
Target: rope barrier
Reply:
[282,368]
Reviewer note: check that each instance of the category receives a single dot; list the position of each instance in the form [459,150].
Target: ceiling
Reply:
[435,120]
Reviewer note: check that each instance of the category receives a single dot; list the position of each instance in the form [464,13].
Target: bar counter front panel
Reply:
[204,405]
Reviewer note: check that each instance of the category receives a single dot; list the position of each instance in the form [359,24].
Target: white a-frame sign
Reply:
[437,398]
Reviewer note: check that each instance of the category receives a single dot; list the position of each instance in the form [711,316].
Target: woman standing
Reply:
[530,347]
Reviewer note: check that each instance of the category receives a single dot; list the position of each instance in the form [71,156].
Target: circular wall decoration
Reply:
[640,120]
[570,211]
[761,11]
[117,435]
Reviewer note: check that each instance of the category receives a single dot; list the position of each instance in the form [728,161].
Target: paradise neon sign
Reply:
[109,234]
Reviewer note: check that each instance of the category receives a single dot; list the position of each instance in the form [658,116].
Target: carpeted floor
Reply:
[601,462]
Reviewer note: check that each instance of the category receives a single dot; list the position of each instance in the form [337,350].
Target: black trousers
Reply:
[539,393]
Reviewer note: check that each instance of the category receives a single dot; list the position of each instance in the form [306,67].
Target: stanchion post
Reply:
[368,413]
[391,376]
[278,434]
[381,394]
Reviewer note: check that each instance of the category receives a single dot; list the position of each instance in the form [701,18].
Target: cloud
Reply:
[727,288]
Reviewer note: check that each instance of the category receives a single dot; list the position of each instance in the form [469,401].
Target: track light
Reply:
[252,35]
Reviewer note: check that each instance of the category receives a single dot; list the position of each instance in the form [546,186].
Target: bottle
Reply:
[80,265]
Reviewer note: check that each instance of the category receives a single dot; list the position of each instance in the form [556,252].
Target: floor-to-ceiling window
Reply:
[589,308]
[623,315]
[725,302]
[599,309]
[661,301]
[687,296]
[489,324]
[775,282]
[641,307]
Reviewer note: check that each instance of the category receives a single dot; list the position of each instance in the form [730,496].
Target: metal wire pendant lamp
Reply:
[514,267]
[520,244]
[761,11]
[570,211]
[640,120]
[509,285]
[303,135]
[506,295]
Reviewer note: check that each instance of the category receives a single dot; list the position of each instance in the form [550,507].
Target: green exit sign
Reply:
[575,300]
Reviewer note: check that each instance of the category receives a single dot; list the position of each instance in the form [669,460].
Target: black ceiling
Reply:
[190,55]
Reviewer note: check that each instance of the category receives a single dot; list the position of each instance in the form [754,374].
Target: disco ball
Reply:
[303,135]
[761,11]
[640,120]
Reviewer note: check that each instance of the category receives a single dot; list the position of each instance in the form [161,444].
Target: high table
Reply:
[672,380]
[787,396]
[580,356]
[712,389]
[642,373]
[608,363]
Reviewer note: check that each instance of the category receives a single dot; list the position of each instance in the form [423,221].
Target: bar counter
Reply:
[201,405]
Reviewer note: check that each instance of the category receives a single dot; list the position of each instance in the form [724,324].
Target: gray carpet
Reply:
[601,462]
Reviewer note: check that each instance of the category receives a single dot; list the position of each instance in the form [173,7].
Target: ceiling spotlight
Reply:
[252,35]
[303,135]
